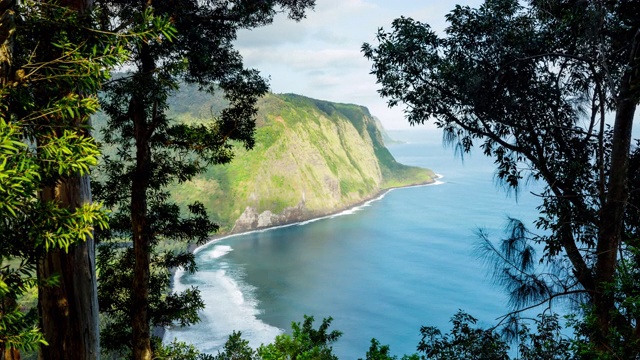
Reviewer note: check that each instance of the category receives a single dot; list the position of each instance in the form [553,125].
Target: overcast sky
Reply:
[320,56]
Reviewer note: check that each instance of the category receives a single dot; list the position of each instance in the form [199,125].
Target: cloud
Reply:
[320,56]
[282,31]
[306,60]
[324,24]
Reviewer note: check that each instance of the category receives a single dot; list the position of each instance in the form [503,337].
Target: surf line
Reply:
[179,272]
[349,211]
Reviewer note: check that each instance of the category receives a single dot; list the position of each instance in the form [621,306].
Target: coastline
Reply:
[377,196]
[160,331]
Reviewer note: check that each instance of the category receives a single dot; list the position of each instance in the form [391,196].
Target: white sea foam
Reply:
[438,177]
[213,241]
[218,251]
[230,306]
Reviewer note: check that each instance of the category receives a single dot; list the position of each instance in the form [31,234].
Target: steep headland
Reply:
[311,158]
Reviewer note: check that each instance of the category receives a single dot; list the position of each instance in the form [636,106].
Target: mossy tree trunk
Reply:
[69,309]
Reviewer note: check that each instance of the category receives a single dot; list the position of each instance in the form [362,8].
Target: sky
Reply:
[320,56]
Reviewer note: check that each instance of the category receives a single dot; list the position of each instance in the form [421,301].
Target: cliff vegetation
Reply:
[311,158]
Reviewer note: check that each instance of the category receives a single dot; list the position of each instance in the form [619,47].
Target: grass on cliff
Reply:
[271,176]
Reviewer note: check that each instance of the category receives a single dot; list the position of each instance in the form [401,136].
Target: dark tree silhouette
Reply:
[533,84]
[153,150]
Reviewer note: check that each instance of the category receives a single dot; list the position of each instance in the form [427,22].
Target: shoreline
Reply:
[160,331]
[375,197]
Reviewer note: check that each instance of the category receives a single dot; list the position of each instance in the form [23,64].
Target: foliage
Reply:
[39,143]
[305,342]
[464,342]
[176,350]
[18,329]
[547,342]
[47,72]
[116,267]
[53,64]
[297,148]
[19,174]
[154,150]
[532,84]
[377,352]
[236,348]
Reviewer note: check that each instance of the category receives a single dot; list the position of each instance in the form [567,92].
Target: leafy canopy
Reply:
[53,64]
[533,84]
[152,151]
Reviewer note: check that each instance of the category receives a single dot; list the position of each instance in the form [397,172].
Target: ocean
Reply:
[383,270]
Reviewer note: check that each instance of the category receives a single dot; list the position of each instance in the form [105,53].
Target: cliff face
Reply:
[311,158]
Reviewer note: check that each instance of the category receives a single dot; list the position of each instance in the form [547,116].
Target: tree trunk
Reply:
[10,354]
[140,225]
[141,250]
[7,27]
[69,310]
[612,218]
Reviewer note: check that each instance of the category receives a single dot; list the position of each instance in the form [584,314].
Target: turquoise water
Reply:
[381,270]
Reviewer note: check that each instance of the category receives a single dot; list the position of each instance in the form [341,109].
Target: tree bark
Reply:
[141,235]
[7,27]
[10,354]
[69,311]
[612,218]
[141,249]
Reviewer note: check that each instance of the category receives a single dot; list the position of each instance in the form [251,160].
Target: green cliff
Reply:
[311,158]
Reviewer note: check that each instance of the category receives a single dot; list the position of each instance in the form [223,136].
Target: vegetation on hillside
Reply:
[317,154]
[465,341]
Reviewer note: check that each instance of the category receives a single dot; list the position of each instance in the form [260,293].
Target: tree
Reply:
[378,352]
[236,348]
[18,176]
[69,309]
[464,341]
[305,342]
[53,63]
[18,179]
[43,78]
[153,150]
[533,85]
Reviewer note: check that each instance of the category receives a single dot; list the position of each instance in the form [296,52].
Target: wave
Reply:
[217,252]
[230,303]
[230,306]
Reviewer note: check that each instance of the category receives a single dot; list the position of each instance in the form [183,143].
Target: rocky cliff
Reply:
[311,158]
